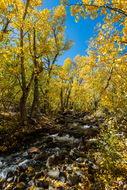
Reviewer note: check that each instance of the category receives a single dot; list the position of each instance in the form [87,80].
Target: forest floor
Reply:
[55,153]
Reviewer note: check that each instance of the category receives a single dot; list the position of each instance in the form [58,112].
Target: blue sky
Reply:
[80,32]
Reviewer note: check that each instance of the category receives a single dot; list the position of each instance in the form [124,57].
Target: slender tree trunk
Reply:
[46,106]
[35,110]
[61,100]
[24,96]
[25,89]
[68,98]
[23,112]
[46,99]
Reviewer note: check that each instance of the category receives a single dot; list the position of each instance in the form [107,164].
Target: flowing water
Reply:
[48,145]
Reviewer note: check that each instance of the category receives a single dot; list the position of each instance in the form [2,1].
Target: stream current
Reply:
[46,146]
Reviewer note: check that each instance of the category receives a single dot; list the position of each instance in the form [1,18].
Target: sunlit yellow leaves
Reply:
[67,65]
[35,3]
[94,69]
[57,184]
[5,3]
[124,38]
[115,12]
[59,12]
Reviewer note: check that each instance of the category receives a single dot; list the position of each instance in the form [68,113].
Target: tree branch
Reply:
[103,6]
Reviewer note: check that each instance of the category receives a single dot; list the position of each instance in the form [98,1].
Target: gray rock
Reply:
[25,154]
[1,165]
[73,179]
[10,179]
[80,160]
[53,174]
[50,160]
[40,156]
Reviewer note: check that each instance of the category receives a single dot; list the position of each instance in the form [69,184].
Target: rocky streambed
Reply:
[62,159]
[54,161]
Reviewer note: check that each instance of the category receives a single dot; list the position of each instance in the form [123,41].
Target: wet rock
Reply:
[25,154]
[54,174]
[73,179]
[55,159]
[66,139]
[50,160]
[40,156]
[10,179]
[33,150]
[1,164]
[80,160]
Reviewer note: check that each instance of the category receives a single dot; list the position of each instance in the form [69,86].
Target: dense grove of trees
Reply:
[32,40]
